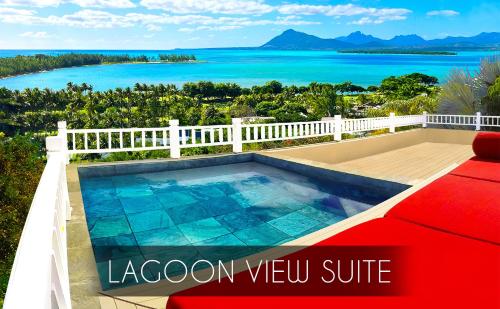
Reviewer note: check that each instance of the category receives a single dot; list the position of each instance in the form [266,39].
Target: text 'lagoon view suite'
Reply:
[249,154]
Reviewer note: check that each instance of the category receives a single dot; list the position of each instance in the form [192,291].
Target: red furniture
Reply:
[452,230]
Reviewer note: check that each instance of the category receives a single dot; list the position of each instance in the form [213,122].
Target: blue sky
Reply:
[168,24]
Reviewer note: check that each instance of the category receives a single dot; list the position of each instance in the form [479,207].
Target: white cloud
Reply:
[243,7]
[293,20]
[82,3]
[36,35]
[238,23]
[291,14]
[362,21]
[121,4]
[208,28]
[101,19]
[11,11]
[378,20]
[31,3]
[370,15]
[89,19]
[153,28]
[17,16]
[443,13]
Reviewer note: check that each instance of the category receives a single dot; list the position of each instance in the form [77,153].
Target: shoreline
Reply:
[103,64]
[398,52]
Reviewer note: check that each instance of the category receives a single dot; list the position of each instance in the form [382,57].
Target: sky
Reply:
[169,24]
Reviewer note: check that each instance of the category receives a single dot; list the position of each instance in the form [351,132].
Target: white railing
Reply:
[255,133]
[199,136]
[490,121]
[366,124]
[39,276]
[462,120]
[113,140]
[176,137]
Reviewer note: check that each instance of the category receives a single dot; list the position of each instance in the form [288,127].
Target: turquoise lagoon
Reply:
[246,67]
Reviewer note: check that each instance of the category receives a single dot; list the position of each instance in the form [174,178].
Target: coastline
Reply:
[103,64]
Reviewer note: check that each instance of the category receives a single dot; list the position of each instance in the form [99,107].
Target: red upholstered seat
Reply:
[480,169]
[486,145]
[444,271]
[451,229]
[455,204]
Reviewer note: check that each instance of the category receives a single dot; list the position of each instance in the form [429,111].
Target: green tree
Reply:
[21,168]
[265,108]
[212,116]
[491,102]
[290,112]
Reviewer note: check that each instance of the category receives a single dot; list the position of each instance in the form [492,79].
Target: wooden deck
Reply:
[407,157]
[409,165]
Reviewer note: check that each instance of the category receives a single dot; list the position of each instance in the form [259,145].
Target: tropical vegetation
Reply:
[469,92]
[12,66]
[391,51]
[177,58]
[21,164]
[202,103]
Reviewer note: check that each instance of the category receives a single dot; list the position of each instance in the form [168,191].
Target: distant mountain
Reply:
[291,39]
[358,38]
[411,40]
[484,39]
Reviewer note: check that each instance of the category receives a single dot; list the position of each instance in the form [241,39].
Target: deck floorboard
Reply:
[408,165]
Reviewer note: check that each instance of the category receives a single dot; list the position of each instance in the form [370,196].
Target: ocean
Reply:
[246,67]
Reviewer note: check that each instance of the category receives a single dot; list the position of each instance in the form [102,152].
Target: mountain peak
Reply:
[359,38]
[407,40]
[409,36]
[291,39]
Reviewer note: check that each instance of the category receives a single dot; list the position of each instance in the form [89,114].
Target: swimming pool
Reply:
[240,204]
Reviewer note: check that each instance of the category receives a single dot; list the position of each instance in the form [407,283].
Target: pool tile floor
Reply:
[245,204]
[294,223]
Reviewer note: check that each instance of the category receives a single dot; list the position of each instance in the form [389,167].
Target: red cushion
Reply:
[480,169]
[455,204]
[445,271]
[486,145]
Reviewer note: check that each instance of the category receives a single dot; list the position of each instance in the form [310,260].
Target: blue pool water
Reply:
[246,67]
[243,204]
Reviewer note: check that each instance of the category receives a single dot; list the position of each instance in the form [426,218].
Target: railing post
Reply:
[62,132]
[57,146]
[478,121]
[175,150]
[337,127]
[424,120]
[392,122]
[237,144]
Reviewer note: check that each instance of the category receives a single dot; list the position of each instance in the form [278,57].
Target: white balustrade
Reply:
[39,276]
[490,121]
[461,120]
[266,132]
[115,140]
[176,137]
[202,136]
